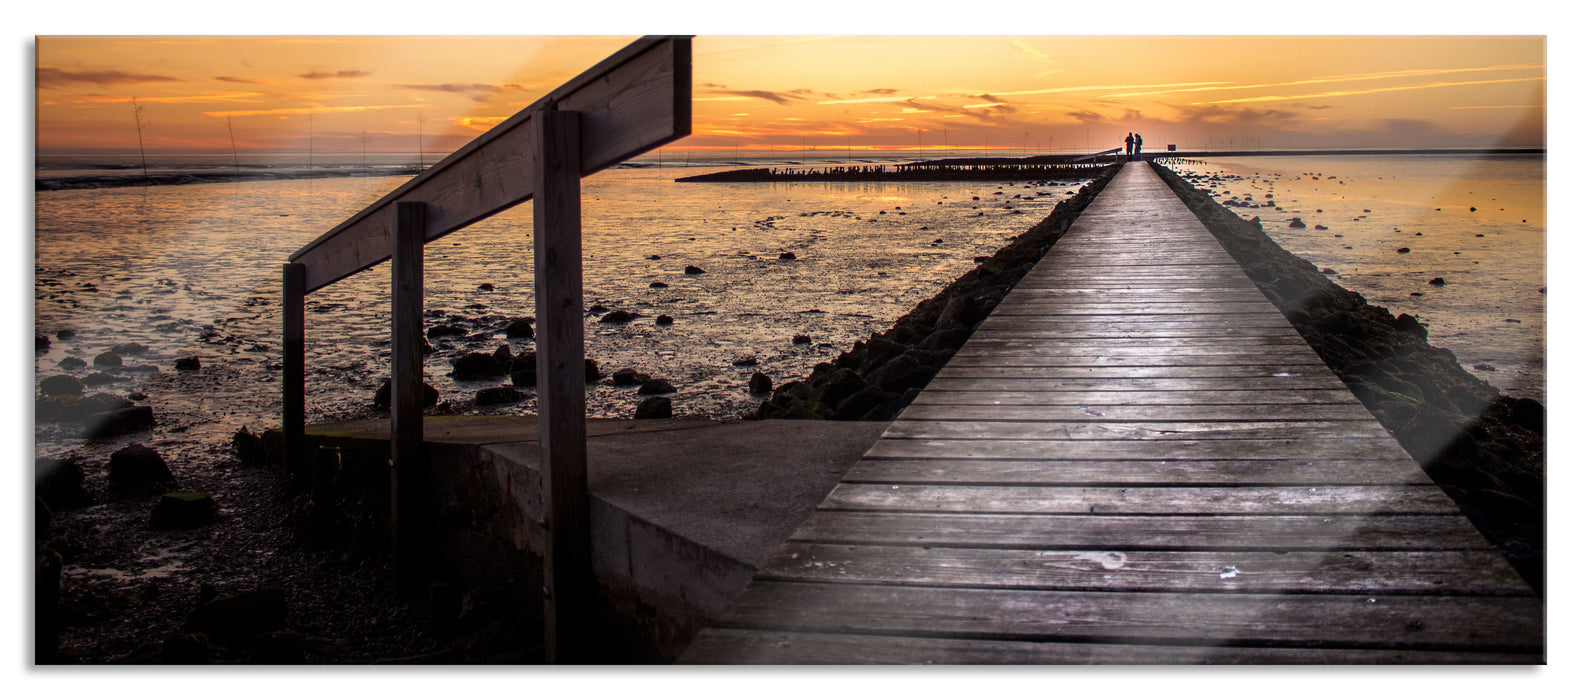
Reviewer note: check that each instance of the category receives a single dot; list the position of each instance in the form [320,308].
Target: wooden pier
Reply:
[1135,459]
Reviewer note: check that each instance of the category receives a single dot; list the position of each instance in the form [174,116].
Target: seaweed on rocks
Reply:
[1485,449]
[880,376]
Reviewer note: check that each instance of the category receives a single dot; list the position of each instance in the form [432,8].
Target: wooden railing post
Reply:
[407,468]
[293,367]
[562,400]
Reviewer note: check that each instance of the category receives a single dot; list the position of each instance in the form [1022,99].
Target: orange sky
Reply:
[826,91]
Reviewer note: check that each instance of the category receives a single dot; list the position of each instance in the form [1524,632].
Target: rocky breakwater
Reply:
[1485,449]
[880,376]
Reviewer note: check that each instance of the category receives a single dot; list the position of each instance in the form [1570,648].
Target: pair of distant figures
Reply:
[1134,146]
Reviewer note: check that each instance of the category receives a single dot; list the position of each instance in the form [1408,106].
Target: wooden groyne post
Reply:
[636,100]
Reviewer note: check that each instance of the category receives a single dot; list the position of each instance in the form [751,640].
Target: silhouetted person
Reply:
[1129,145]
[1139,144]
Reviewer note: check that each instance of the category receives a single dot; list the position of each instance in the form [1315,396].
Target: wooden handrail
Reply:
[635,100]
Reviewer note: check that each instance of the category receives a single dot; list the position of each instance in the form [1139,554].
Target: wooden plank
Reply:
[960,428]
[1114,412]
[293,367]
[1422,622]
[1388,573]
[1373,499]
[637,99]
[987,358]
[407,482]
[1015,308]
[562,391]
[1052,471]
[1130,398]
[1292,448]
[747,646]
[1313,369]
[1292,383]
[1220,532]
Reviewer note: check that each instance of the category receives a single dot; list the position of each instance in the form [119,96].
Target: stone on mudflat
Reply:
[654,407]
[1296,222]
[664,320]
[656,386]
[72,363]
[181,510]
[139,470]
[60,483]
[617,316]
[65,334]
[628,377]
[1407,323]
[792,256]
[519,328]
[590,370]
[477,365]
[382,396]
[60,385]
[107,359]
[759,384]
[498,395]
[129,349]
[235,621]
[119,421]
[444,330]
[745,361]
[1437,281]
[100,379]
[189,364]
[40,343]
[801,339]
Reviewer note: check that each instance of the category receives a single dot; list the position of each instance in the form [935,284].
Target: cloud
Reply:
[1029,50]
[177,99]
[1371,91]
[234,79]
[46,77]
[726,94]
[1086,116]
[480,92]
[318,75]
[288,111]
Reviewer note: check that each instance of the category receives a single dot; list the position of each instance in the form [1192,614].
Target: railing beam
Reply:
[407,467]
[562,399]
[293,367]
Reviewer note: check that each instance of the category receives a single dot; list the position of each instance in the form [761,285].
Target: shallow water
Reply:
[1477,223]
[194,270]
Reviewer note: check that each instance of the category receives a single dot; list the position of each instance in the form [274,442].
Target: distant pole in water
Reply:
[364,139]
[310,143]
[920,143]
[137,117]
[420,139]
[236,160]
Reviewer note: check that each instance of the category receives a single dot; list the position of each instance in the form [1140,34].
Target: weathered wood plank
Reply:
[293,366]
[1376,499]
[1239,532]
[1419,622]
[1295,472]
[1437,573]
[1291,383]
[1188,372]
[1121,413]
[956,428]
[636,99]
[408,486]
[1246,343]
[1015,448]
[987,358]
[746,646]
[1130,398]
[1014,307]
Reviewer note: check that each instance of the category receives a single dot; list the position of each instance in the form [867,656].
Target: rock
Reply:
[382,396]
[181,510]
[857,405]
[60,385]
[653,407]
[1529,414]
[503,356]
[843,383]
[235,621]
[524,369]
[617,316]
[691,270]
[902,373]
[498,395]
[60,483]
[745,361]
[1408,323]
[72,363]
[189,364]
[664,320]
[1403,250]
[656,386]
[800,339]
[1296,222]
[120,421]
[444,330]
[657,285]
[1321,227]
[107,359]
[1437,281]
[287,647]
[788,256]
[129,349]
[139,470]
[1485,367]
[759,384]
[590,370]
[519,328]
[485,287]
[100,379]
[946,339]
[40,343]
[628,377]
[256,450]
[598,309]
[477,365]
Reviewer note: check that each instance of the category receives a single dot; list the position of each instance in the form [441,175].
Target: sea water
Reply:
[194,270]
[1385,226]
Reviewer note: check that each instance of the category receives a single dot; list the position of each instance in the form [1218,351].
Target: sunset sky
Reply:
[791,92]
